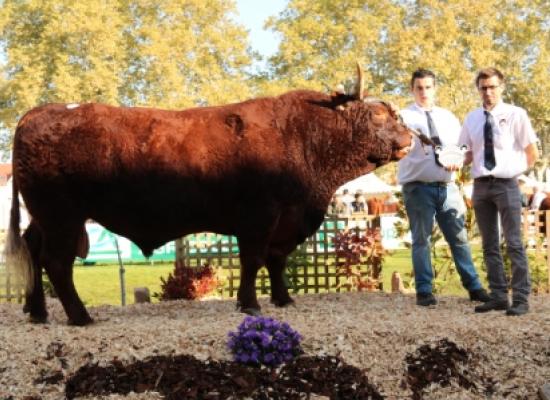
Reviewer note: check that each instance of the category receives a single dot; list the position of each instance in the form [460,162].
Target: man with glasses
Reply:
[429,191]
[502,146]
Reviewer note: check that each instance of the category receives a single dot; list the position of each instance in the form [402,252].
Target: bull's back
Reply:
[96,139]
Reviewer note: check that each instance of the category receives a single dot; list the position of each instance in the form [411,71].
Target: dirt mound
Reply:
[185,377]
[443,364]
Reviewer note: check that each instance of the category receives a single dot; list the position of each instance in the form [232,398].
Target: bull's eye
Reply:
[379,118]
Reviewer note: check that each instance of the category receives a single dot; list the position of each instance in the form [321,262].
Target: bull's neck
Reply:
[344,171]
[341,163]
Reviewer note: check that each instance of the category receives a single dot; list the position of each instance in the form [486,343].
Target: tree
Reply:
[163,53]
[454,38]
[323,39]
[194,55]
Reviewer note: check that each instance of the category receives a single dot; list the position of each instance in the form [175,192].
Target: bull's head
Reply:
[385,116]
[392,135]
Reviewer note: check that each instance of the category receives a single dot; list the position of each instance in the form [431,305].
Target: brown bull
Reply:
[263,170]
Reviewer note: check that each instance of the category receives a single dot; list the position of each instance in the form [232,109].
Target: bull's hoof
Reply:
[38,319]
[283,303]
[80,322]
[251,310]
[255,312]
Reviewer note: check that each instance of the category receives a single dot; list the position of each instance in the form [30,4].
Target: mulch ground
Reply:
[179,377]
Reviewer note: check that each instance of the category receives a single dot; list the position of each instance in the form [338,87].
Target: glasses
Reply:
[487,88]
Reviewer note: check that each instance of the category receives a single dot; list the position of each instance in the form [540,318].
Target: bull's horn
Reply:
[360,82]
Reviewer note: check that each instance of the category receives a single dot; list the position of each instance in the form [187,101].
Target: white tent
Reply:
[369,184]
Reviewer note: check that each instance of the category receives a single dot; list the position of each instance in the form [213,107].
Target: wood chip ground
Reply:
[402,349]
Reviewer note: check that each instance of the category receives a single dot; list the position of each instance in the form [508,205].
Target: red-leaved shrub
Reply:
[189,283]
[359,258]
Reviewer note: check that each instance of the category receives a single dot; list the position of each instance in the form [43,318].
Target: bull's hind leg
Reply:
[252,259]
[58,253]
[276,262]
[35,302]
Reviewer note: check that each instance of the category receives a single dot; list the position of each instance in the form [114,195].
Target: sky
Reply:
[253,14]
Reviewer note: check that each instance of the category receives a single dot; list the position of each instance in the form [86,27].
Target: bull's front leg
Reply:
[276,263]
[251,260]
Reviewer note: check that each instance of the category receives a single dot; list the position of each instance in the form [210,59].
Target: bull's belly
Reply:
[150,233]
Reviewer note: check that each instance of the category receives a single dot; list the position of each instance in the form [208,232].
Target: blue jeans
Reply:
[423,202]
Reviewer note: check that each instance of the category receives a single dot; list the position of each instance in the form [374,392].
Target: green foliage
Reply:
[454,38]
[538,268]
[166,53]
[48,287]
[175,54]
[297,260]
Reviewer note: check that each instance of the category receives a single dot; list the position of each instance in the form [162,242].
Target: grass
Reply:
[100,284]
[448,282]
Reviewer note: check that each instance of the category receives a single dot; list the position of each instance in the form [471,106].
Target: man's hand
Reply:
[532,154]
[453,167]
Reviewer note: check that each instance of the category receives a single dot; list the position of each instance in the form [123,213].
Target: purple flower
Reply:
[269,358]
[264,340]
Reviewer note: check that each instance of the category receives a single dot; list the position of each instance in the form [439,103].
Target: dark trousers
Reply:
[491,197]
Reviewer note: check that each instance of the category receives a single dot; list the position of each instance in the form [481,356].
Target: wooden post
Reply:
[231,287]
[142,295]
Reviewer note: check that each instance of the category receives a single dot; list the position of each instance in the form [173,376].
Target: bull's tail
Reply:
[16,253]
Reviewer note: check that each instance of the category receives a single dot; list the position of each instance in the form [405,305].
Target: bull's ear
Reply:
[393,108]
[359,92]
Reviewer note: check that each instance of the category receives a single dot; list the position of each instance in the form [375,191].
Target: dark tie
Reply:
[488,131]
[433,135]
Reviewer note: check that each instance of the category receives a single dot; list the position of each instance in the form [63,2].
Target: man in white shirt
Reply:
[429,191]
[538,196]
[502,146]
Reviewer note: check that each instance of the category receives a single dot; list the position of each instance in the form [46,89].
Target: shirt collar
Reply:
[496,109]
[422,109]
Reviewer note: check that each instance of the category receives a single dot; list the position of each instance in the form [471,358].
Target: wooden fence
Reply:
[536,236]
[10,289]
[317,253]
[310,268]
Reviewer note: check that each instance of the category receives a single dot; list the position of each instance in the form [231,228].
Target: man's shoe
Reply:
[492,305]
[518,309]
[425,299]
[479,295]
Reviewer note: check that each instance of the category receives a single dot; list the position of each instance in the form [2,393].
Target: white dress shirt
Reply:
[419,164]
[514,133]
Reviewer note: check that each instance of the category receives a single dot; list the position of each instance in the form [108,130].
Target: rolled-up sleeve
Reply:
[464,138]
[525,134]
